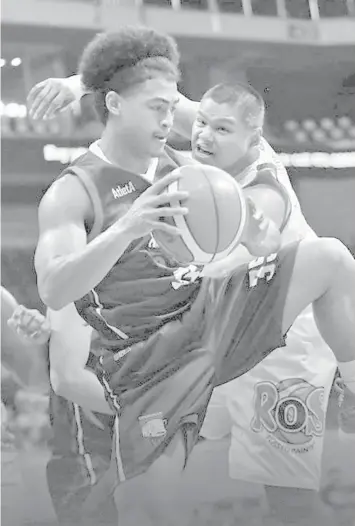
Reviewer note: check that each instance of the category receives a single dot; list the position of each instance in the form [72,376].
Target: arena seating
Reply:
[293,9]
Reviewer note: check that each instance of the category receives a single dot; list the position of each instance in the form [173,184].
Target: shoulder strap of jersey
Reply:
[95,199]
[267,174]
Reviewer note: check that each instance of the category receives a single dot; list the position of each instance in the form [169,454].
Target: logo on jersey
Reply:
[186,276]
[291,412]
[121,191]
[182,275]
[262,268]
[153,426]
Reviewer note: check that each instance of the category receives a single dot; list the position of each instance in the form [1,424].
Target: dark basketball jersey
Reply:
[155,323]
[145,289]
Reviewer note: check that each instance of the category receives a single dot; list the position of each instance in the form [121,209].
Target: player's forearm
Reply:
[69,278]
[76,86]
[82,387]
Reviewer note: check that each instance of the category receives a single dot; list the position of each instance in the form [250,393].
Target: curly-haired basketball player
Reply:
[163,349]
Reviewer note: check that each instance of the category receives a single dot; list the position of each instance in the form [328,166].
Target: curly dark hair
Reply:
[120,60]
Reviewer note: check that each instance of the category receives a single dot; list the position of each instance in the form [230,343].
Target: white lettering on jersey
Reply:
[185,276]
[261,268]
[121,191]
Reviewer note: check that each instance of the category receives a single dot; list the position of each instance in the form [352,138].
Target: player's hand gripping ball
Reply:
[220,217]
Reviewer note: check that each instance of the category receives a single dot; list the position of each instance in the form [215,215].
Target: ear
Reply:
[113,102]
[255,137]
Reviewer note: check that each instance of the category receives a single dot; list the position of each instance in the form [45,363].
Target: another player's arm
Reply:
[261,236]
[55,94]
[27,359]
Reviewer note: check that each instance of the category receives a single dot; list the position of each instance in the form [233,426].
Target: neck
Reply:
[118,152]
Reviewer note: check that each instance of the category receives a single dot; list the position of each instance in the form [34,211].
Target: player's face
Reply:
[147,113]
[219,135]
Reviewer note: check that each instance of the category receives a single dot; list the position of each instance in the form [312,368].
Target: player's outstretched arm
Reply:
[67,267]
[25,357]
[261,236]
[53,95]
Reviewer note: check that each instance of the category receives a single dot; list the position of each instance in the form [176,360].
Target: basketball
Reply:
[216,219]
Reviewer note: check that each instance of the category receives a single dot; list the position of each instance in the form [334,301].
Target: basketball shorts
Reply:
[70,486]
[81,454]
[164,384]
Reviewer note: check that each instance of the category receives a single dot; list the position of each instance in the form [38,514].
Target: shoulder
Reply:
[66,197]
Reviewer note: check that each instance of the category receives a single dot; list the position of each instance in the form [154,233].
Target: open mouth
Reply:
[161,137]
[202,151]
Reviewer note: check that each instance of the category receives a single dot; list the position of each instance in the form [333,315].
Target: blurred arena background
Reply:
[300,55]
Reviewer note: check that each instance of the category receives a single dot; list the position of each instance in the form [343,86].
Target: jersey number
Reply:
[261,268]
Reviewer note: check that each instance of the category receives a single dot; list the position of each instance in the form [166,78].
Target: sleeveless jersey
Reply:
[145,289]
[265,177]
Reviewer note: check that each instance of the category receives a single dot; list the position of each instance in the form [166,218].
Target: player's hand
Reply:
[30,326]
[261,238]
[155,203]
[49,97]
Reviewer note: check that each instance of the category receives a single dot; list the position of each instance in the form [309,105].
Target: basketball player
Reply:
[304,345]
[81,441]
[241,110]
[81,445]
[23,358]
[23,374]
[119,263]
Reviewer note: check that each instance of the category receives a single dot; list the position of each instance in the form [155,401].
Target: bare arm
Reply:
[68,352]
[67,267]
[53,95]
[28,360]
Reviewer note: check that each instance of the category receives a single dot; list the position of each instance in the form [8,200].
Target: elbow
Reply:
[61,382]
[51,297]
